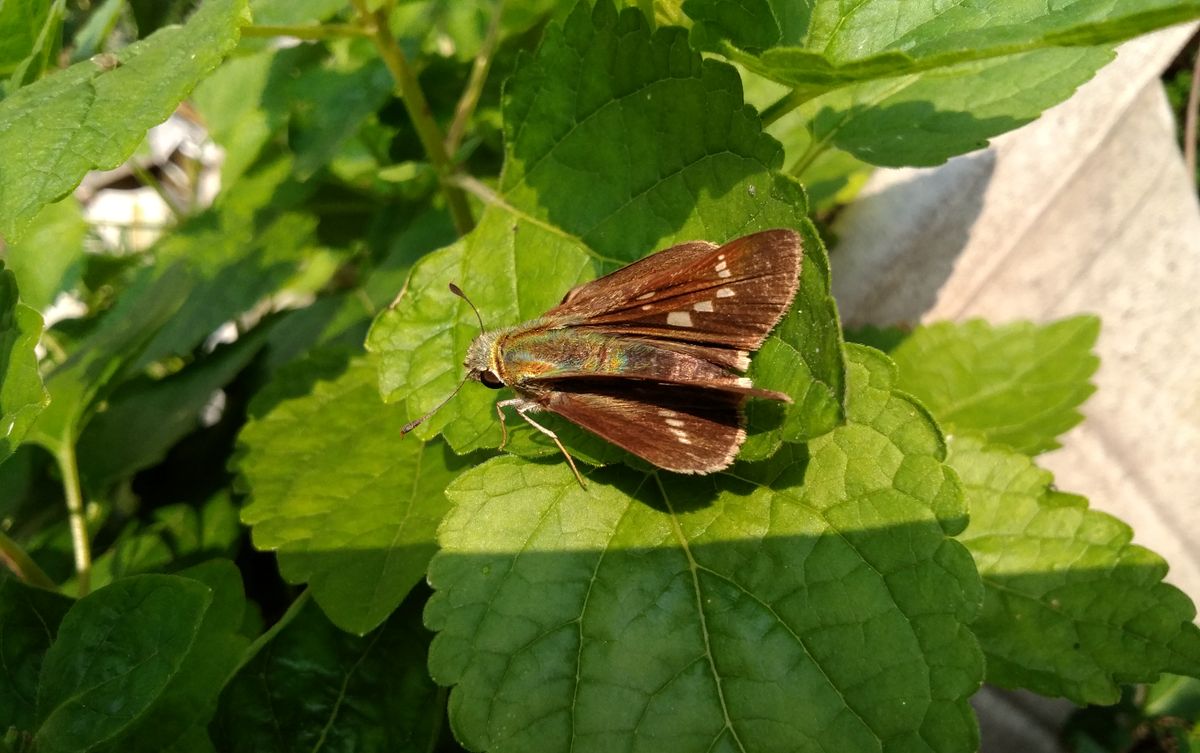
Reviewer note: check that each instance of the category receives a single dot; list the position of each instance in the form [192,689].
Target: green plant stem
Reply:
[22,565]
[415,103]
[75,514]
[305,31]
[479,71]
[814,150]
[261,641]
[782,106]
[147,179]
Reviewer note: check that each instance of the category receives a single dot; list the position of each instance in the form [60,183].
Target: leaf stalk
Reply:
[479,71]
[65,456]
[22,565]
[409,88]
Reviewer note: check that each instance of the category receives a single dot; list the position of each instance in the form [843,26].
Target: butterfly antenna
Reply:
[456,290]
[414,424]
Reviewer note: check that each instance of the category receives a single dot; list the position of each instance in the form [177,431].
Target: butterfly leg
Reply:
[523,407]
[503,424]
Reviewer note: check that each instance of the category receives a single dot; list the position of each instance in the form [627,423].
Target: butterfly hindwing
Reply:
[726,296]
[681,428]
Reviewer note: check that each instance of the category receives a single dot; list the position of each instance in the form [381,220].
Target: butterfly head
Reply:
[481,361]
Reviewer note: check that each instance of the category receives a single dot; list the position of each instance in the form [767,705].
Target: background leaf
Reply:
[116,651]
[1019,385]
[21,24]
[927,118]
[22,396]
[214,268]
[49,257]
[822,46]
[693,612]
[138,664]
[83,118]
[181,713]
[1071,607]
[349,505]
[663,148]
[314,686]
[29,619]
[145,417]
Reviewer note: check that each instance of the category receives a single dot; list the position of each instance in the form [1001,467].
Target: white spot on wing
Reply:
[646,307]
[743,382]
[681,435]
[721,267]
[720,257]
[674,422]
[724,273]
[645,296]
[725,293]
[679,319]
[703,306]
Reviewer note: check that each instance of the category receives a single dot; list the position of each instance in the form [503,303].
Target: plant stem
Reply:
[22,565]
[782,106]
[479,71]
[305,31]
[814,150]
[261,641]
[146,178]
[376,25]
[78,522]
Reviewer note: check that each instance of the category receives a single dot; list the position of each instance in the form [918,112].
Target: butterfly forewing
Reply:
[726,296]
[681,428]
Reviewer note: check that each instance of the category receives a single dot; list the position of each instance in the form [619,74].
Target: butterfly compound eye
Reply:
[489,379]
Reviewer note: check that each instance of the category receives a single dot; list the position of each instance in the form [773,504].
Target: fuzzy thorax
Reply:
[481,355]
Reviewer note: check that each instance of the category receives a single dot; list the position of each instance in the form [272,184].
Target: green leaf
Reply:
[827,610]
[93,114]
[48,259]
[190,699]
[145,417]
[329,103]
[618,142]
[827,44]
[288,12]
[212,269]
[116,652]
[235,255]
[350,506]
[1019,385]
[927,118]
[242,107]
[38,36]
[142,310]
[1071,608]
[29,619]
[139,664]
[316,687]
[21,23]
[22,396]
[92,34]
[179,534]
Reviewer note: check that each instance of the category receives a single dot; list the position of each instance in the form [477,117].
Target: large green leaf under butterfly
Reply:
[815,602]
